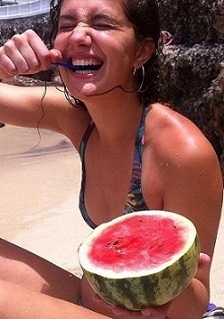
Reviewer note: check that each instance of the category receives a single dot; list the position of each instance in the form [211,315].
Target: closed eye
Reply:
[66,23]
[102,26]
[66,27]
[103,22]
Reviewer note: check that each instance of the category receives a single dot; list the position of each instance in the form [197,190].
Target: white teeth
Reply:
[88,64]
[85,62]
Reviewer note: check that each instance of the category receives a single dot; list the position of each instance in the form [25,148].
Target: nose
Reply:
[81,35]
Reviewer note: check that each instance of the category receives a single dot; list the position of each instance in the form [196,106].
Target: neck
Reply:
[115,118]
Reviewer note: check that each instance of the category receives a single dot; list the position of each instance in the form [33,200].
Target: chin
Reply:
[84,92]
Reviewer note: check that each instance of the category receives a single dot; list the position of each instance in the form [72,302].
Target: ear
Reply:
[146,49]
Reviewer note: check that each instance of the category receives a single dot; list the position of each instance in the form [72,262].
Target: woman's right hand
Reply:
[25,53]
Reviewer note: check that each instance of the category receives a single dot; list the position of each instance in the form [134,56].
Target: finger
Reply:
[25,53]
[7,67]
[204,261]
[55,56]
[102,302]
[14,60]
[40,49]
[125,314]
[156,313]
[146,312]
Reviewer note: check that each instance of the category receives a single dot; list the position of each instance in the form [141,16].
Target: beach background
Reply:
[40,179]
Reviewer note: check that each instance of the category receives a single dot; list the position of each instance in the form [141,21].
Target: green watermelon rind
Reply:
[148,291]
[154,289]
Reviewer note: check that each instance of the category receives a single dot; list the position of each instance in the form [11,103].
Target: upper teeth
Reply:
[85,62]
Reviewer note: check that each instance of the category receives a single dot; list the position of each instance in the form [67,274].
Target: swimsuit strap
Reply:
[84,140]
[82,148]
[135,200]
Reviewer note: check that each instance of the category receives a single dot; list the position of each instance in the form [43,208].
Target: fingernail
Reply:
[146,312]
[117,311]
[96,298]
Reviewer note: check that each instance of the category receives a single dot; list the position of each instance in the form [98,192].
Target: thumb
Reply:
[55,55]
[204,261]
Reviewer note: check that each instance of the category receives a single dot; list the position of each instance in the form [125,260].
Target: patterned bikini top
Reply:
[135,200]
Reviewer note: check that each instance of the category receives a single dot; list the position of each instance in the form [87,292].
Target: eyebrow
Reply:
[67,17]
[95,17]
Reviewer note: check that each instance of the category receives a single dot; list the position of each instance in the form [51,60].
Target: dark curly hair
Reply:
[144,15]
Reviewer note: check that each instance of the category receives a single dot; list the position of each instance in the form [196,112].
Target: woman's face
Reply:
[97,33]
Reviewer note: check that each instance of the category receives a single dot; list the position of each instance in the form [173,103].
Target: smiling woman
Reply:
[108,25]
[136,153]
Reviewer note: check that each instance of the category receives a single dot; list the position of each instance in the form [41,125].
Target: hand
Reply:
[25,54]
[146,313]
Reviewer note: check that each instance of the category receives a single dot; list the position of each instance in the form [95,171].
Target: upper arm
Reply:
[193,188]
[183,174]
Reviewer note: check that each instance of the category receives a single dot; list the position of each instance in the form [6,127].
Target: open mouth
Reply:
[85,69]
[86,66]
[82,68]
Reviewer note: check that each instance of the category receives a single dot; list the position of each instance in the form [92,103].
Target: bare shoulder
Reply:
[180,165]
[173,136]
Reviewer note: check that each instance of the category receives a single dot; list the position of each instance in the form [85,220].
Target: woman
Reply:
[106,52]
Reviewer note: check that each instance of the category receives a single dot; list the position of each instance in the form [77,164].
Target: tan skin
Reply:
[180,171]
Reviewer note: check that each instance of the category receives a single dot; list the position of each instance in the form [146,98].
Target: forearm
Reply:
[20,105]
[191,304]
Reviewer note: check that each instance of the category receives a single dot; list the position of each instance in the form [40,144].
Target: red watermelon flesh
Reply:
[141,239]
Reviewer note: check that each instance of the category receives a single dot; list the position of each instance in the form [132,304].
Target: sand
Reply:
[40,179]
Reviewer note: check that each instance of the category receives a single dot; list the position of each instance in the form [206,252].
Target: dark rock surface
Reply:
[192,69]
[40,24]
[191,61]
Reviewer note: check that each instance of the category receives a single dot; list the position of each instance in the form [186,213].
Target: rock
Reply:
[190,81]
[40,24]
[193,21]
[192,64]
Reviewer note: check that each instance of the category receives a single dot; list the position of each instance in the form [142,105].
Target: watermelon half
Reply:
[142,259]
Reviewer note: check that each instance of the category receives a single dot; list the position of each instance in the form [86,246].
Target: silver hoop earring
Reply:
[143,79]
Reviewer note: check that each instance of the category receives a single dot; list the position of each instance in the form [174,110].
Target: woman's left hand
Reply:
[146,313]
[149,312]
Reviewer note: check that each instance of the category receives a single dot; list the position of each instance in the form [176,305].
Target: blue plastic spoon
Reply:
[76,67]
